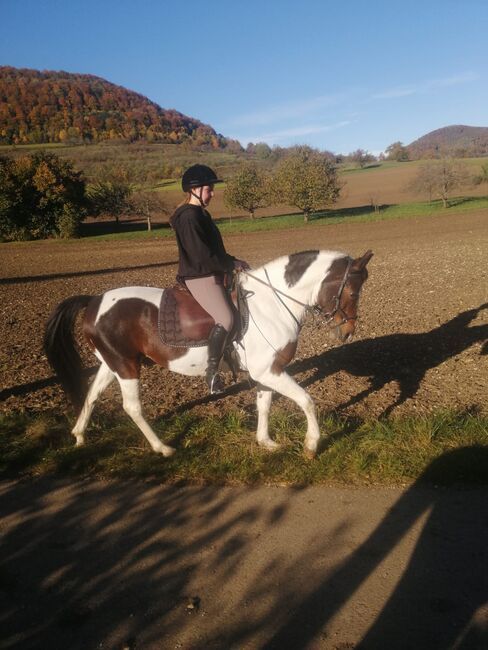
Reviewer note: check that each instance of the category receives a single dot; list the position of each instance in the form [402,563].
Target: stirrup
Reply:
[216,384]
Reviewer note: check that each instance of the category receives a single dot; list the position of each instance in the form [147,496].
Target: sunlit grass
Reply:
[324,218]
[224,450]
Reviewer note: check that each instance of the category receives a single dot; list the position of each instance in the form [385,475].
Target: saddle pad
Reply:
[169,324]
[194,332]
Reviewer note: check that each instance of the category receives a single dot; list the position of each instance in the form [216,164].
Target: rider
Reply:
[203,262]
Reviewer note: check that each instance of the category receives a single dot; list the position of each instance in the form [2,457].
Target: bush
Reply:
[39,193]
[68,223]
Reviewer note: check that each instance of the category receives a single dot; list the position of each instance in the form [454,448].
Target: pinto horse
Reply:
[121,328]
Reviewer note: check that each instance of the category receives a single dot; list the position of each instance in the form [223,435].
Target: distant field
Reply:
[382,183]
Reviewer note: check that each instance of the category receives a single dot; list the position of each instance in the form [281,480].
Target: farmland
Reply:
[420,348]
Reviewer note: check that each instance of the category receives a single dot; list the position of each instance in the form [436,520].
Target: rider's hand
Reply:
[241,265]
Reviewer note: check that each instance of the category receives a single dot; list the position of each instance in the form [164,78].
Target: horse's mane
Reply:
[296,264]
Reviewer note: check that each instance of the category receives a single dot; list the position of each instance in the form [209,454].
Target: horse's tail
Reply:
[61,350]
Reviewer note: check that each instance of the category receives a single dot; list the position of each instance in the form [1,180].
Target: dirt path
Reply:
[94,565]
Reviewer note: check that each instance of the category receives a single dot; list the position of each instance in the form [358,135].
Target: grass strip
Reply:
[445,448]
[324,218]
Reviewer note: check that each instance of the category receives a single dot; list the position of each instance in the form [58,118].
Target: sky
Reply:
[334,75]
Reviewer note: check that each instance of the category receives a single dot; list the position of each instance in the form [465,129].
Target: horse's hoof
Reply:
[167,451]
[80,441]
[269,445]
[309,453]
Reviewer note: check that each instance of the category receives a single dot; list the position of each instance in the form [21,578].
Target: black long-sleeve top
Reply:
[201,249]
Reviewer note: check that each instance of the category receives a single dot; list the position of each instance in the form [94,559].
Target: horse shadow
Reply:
[401,358]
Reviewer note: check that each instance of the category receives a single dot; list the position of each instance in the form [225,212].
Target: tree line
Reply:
[42,195]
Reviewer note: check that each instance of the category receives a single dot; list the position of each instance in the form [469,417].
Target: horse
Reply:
[121,328]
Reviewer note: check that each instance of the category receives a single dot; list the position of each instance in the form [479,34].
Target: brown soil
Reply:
[419,345]
[105,565]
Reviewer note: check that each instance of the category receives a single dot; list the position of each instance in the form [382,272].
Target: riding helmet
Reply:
[198,176]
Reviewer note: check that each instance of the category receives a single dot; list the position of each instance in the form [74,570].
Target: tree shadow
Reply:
[400,358]
[88,565]
[96,228]
[356,211]
[436,601]
[78,274]
[39,384]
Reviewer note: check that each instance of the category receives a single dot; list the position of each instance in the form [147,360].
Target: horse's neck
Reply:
[272,281]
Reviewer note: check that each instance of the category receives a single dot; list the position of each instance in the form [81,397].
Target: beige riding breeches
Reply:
[210,294]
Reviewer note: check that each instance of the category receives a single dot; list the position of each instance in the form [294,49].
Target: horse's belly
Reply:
[193,363]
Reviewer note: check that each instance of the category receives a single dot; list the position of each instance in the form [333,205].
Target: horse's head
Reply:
[338,297]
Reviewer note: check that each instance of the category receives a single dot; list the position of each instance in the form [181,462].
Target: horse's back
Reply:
[110,298]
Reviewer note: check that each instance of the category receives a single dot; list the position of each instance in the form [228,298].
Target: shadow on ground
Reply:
[88,565]
[401,358]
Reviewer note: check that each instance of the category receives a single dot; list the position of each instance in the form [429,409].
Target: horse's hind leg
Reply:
[132,406]
[102,379]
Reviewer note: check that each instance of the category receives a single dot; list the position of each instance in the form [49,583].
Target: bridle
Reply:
[329,316]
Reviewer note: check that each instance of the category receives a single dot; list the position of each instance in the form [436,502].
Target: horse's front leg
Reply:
[282,383]
[263,404]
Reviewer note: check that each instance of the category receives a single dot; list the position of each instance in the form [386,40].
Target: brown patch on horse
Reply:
[298,263]
[127,333]
[283,357]
[89,320]
[349,298]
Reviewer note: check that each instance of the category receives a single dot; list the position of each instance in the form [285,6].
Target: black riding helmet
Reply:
[198,176]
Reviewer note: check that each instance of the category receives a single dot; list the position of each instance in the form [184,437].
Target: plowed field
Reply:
[420,345]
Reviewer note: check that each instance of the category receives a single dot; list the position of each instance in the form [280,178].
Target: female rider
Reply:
[203,262]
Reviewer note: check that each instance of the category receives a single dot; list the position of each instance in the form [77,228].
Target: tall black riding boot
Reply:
[216,346]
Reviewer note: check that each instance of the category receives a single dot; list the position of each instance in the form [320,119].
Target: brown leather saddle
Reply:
[184,323]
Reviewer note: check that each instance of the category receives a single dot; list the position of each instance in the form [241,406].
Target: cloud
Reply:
[285,135]
[287,110]
[426,86]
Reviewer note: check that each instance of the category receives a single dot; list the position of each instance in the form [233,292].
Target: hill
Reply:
[458,140]
[45,107]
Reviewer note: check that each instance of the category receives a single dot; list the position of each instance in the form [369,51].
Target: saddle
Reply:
[183,323]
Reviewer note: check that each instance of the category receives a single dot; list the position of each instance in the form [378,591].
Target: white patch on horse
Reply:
[110,298]
[193,363]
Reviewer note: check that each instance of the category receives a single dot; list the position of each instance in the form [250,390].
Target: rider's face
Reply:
[207,194]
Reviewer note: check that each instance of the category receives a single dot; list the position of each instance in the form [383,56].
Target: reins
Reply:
[315,309]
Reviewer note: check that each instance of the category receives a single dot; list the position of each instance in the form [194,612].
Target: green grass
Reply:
[445,448]
[327,217]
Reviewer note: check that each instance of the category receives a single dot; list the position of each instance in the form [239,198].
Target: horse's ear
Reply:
[361,262]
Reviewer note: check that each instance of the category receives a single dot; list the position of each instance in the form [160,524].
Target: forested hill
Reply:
[458,140]
[37,107]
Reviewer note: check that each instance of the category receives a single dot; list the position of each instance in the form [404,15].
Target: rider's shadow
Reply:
[400,358]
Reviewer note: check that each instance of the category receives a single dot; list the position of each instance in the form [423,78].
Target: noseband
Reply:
[316,310]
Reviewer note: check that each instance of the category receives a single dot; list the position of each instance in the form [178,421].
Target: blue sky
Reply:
[337,76]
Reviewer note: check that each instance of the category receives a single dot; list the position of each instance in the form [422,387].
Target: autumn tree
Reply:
[398,152]
[247,190]
[482,177]
[40,196]
[110,194]
[361,157]
[440,178]
[306,179]
[148,204]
